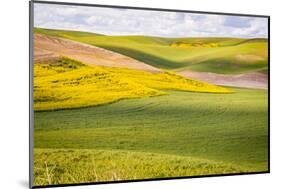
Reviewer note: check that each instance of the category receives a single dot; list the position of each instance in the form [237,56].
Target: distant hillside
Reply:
[217,55]
[51,48]
[64,33]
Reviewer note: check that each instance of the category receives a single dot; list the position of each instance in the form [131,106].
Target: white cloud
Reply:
[113,21]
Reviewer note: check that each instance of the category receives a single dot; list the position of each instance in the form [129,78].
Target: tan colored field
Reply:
[249,57]
[41,55]
[255,80]
[47,47]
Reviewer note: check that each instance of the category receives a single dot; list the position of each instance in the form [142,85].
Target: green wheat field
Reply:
[95,123]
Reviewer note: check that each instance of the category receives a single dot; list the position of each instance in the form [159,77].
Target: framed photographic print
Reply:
[121,94]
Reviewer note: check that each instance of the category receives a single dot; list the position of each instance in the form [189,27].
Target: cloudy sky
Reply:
[113,21]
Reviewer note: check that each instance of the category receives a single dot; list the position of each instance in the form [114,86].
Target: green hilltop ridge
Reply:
[64,33]
[212,54]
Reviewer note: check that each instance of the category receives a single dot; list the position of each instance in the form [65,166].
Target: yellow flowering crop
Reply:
[70,84]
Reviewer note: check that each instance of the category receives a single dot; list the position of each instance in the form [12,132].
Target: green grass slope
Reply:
[228,128]
[218,55]
[70,166]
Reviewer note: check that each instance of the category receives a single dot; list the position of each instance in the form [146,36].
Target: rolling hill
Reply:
[217,55]
[115,107]
[67,83]
[179,134]
[50,47]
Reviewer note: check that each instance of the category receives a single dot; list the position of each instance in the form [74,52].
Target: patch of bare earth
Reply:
[41,55]
[249,57]
[254,80]
[49,48]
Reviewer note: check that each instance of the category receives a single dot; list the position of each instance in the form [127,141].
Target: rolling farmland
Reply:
[217,55]
[116,107]
[198,134]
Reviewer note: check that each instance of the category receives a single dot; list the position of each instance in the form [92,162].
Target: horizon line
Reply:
[120,35]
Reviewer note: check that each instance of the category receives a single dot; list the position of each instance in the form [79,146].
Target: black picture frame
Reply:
[31,111]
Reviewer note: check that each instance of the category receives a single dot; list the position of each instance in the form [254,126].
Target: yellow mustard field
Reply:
[68,83]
